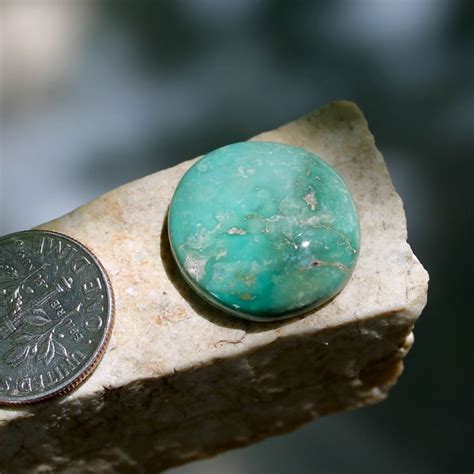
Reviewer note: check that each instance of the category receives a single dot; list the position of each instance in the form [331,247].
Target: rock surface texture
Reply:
[181,380]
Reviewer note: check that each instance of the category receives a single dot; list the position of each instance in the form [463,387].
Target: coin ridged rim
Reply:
[90,368]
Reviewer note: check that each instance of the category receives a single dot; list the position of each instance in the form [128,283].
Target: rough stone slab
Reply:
[180,380]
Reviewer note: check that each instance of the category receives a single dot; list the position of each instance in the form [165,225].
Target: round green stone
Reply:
[264,230]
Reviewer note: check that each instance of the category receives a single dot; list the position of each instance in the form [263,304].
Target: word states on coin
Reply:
[55,314]
[44,380]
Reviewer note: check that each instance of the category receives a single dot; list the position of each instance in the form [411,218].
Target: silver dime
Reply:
[56,314]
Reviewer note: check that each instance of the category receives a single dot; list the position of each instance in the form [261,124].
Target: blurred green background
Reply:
[95,94]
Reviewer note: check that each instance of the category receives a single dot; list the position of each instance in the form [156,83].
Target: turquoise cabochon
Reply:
[264,230]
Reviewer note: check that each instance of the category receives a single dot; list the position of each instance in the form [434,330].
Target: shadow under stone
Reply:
[205,309]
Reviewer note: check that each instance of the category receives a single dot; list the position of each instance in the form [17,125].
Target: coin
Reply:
[56,315]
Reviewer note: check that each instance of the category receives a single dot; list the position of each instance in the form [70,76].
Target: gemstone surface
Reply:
[263,230]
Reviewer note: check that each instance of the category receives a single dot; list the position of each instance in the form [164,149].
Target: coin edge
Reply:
[87,372]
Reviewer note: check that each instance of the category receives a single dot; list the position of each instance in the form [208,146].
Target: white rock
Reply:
[181,381]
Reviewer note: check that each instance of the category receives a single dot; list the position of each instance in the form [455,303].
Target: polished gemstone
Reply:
[264,230]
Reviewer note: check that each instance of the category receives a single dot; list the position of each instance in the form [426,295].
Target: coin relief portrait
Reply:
[55,315]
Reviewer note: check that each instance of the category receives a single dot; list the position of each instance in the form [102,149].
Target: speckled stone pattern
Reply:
[264,230]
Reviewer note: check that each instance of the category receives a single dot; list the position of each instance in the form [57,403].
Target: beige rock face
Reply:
[180,380]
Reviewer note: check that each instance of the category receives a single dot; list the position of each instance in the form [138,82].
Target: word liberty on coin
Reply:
[56,314]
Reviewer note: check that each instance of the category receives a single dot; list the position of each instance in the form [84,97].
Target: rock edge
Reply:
[180,380]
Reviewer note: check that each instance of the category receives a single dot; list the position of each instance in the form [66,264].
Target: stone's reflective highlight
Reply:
[264,230]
